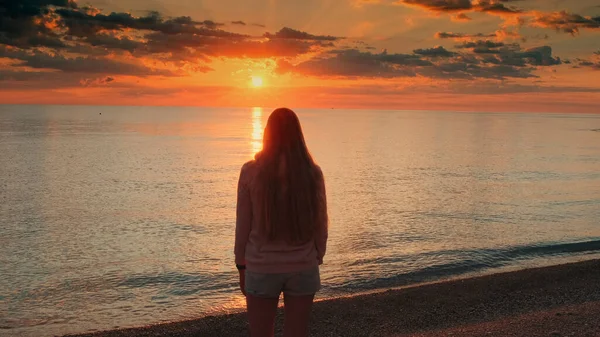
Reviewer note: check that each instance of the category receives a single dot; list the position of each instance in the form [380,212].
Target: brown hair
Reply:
[289,182]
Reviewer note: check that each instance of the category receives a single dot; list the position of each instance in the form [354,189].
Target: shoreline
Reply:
[565,296]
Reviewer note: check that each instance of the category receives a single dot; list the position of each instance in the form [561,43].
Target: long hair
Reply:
[288,181]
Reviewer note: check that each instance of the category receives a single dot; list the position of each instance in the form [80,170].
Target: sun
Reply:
[257,81]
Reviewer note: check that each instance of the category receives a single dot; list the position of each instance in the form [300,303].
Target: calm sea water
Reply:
[124,216]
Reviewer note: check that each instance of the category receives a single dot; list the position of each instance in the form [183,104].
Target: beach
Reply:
[562,300]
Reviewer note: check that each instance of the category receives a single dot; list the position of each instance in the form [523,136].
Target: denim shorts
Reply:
[302,283]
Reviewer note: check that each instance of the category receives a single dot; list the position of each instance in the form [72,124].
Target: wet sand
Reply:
[561,300]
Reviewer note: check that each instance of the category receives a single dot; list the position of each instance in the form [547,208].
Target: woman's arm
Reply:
[243,222]
[323,219]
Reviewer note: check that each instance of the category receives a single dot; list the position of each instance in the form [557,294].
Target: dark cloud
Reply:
[82,22]
[497,7]
[207,23]
[511,54]
[503,61]
[561,21]
[89,82]
[24,23]
[441,5]
[83,64]
[438,51]
[449,35]
[109,40]
[353,63]
[482,46]
[539,56]
[564,21]
[489,6]
[289,33]
[592,62]
[241,23]
[190,46]
[461,17]
[502,34]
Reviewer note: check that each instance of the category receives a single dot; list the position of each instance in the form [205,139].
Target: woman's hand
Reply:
[243,281]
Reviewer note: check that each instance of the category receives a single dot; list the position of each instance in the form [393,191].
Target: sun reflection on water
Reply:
[257,130]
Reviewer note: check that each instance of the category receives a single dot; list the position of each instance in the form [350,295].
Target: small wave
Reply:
[463,262]
[180,284]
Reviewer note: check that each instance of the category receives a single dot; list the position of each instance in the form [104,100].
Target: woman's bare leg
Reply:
[261,315]
[297,314]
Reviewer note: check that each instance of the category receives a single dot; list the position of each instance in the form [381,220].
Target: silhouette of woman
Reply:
[281,228]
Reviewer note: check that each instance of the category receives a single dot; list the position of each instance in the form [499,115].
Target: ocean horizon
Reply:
[122,216]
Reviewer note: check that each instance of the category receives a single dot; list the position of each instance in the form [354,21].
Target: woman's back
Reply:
[261,253]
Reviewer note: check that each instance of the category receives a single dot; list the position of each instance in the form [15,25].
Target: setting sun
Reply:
[257,81]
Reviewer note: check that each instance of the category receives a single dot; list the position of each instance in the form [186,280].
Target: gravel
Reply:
[560,300]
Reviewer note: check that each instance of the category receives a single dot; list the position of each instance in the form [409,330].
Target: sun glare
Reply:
[257,130]
[257,81]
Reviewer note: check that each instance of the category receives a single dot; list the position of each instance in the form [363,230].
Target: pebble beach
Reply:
[562,300]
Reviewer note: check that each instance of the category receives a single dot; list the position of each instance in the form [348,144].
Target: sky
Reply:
[459,55]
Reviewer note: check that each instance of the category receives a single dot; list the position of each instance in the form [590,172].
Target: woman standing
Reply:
[281,228]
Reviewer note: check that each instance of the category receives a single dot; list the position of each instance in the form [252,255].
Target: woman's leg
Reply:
[297,314]
[261,315]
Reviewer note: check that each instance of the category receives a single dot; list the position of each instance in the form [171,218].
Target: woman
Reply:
[281,228]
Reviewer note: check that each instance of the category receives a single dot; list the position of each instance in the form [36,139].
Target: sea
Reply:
[114,217]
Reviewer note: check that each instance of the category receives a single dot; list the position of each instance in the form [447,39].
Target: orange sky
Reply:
[480,55]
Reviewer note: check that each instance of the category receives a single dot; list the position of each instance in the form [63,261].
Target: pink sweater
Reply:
[254,250]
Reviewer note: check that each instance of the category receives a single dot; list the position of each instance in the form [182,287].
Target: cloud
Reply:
[453,6]
[289,33]
[353,63]
[460,36]
[592,62]
[511,54]
[89,82]
[243,23]
[112,41]
[441,5]
[461,17]
[86,22]
[564,21]
[539,56]
[482,46]
[561,21]
[499,35]
[190,46]
[438,51]
[500,61]
[38,59]
[495,7]
[25,23]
